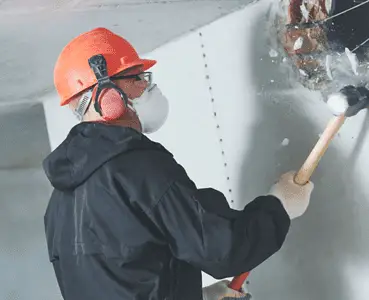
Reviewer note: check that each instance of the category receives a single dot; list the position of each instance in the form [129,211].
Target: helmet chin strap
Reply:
[99,67]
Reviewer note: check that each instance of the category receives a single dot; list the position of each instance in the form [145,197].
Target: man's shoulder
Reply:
[154,162]
[143,175]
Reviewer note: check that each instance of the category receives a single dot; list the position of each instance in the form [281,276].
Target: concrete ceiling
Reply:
[32,33]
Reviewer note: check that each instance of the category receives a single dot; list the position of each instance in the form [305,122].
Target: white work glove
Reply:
[295,198]
[220,291]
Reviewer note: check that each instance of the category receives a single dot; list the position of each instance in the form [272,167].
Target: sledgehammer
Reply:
[344,104]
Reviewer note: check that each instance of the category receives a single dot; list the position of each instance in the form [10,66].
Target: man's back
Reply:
[101,242]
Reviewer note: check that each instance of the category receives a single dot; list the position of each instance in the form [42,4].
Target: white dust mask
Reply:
[152,109]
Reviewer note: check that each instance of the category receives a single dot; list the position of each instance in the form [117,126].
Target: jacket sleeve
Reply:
[204,231]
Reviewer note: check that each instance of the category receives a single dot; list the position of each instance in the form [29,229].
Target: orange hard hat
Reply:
[72,73]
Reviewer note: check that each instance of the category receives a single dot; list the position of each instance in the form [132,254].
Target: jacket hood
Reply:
[87,147]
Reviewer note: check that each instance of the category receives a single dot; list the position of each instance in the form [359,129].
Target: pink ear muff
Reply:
[112,105]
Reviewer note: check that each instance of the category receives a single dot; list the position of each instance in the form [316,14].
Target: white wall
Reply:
[59,120]
[257,105]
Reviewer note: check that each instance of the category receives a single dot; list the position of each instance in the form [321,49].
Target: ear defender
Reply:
[109,101]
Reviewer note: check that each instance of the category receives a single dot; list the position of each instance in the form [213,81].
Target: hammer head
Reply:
[349,100]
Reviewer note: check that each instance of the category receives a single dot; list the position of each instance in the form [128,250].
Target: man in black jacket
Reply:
[124,220]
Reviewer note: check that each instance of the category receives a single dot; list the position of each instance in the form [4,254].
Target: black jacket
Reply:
[125,222]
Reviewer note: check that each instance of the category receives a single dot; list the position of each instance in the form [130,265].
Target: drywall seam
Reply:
[212,99]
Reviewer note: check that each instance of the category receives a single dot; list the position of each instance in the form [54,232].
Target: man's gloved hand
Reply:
[221,291]
[295,198]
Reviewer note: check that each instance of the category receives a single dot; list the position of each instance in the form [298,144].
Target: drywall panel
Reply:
[269,124]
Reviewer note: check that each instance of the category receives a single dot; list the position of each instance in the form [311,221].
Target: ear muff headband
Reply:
[99,67]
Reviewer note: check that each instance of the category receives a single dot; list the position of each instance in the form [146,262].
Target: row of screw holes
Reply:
[215,114]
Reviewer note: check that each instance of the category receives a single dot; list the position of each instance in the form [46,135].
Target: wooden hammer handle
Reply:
[303,175]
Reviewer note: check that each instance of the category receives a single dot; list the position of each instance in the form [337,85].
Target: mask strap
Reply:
[83,105]
[99,67]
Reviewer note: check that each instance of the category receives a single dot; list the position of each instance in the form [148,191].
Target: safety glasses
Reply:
[147,76]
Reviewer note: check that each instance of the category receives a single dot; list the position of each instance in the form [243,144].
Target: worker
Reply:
[124,220]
